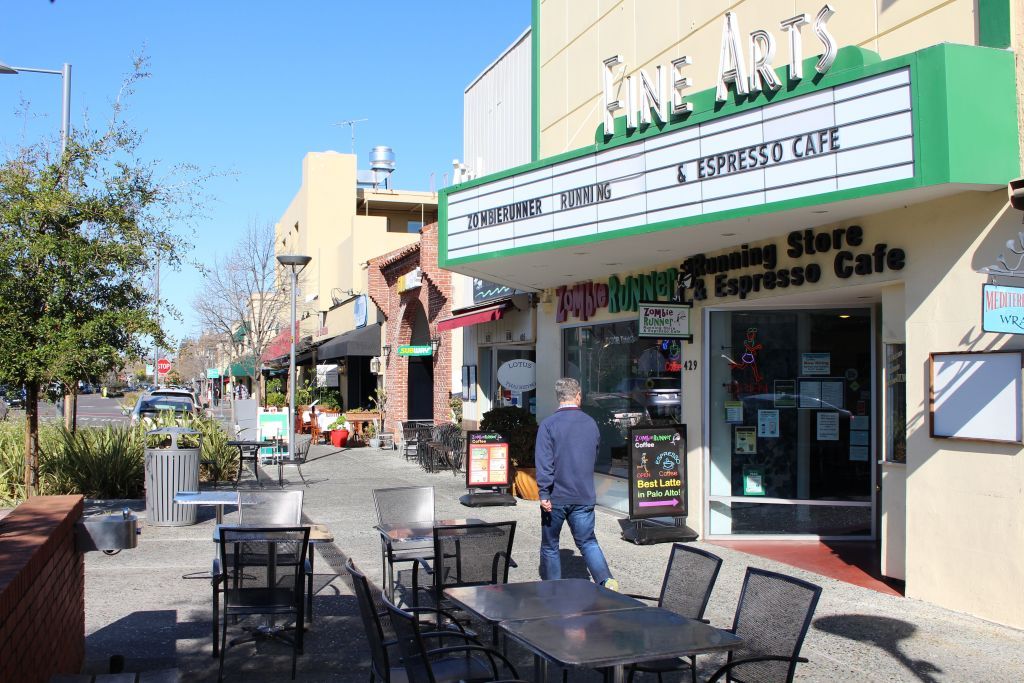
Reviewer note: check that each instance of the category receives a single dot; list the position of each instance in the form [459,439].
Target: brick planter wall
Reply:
[42,590]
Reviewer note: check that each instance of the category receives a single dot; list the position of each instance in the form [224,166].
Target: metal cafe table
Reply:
[253,450]
[576,623]
[414,539]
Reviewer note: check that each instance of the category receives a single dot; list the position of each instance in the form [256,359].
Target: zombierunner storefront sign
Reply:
[716,275]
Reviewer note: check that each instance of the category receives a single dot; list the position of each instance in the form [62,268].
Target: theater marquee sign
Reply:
[835,139]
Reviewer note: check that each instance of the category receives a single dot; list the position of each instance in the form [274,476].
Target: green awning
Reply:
[240,333]
[244,368]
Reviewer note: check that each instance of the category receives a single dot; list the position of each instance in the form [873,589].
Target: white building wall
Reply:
[496,112]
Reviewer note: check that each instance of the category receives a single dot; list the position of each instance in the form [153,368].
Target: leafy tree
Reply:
[245,298]
[78,235]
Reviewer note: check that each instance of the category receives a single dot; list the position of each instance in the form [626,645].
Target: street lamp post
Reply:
[296,263]
[65,74]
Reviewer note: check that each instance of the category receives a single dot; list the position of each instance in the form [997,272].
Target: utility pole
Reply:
[351,123]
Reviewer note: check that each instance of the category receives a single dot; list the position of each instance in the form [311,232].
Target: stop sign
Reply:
[163,366]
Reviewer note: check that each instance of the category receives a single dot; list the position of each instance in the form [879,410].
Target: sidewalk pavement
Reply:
[138,605]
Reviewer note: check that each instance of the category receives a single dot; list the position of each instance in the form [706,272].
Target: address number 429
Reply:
[689,365]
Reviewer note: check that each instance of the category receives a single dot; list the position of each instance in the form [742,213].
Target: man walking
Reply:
[567,444]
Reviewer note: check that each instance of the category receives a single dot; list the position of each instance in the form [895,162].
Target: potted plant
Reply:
[378,404]
[519,427]
[339,435]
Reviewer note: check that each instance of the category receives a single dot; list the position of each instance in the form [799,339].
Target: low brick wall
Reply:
[42,590]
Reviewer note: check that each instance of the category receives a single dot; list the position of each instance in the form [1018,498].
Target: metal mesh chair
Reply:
[276,508]
[468,555]
[772,618]
[477,662]
[272,588]
[380,634]
[298,458]
[689,579]
[402,504]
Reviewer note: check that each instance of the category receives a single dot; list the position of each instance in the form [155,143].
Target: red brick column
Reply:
[399,308]
[42,591]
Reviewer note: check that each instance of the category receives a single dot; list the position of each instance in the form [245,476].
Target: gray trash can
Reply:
[172,465]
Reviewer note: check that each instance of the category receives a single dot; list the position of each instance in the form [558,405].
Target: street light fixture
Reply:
[65,74]
[296,263]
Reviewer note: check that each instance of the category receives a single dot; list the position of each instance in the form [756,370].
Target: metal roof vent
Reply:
[382,163]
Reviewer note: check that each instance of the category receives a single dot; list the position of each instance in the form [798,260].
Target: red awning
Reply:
[481,315]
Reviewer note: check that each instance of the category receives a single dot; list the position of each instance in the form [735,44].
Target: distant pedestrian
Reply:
[566,449]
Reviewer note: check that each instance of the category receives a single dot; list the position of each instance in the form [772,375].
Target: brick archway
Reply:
[433,297]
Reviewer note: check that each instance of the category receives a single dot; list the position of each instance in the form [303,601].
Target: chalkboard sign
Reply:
[657,471]
[486,460]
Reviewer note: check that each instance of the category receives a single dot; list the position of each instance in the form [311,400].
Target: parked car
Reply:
[151,406]
[659,396]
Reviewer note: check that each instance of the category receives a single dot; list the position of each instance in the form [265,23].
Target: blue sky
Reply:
[248,88]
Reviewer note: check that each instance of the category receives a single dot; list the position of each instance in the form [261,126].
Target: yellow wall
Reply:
[340,238]
[577,36]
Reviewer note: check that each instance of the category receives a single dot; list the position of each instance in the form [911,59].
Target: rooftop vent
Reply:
[382,163]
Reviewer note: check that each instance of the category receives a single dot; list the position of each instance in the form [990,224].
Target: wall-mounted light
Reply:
[435,344]
[387,350]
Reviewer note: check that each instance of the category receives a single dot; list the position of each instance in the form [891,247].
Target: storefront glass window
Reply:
[625,380]
[790,418]
[896,402]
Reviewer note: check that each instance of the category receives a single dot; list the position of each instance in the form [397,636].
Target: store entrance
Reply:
[790,423]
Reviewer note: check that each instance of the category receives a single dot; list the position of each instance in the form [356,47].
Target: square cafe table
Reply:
[615,639]
[537,600]
[412,541]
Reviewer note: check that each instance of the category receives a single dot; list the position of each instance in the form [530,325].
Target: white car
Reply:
[152,405]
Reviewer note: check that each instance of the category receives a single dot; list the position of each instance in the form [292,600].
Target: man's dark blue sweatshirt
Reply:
[566,449]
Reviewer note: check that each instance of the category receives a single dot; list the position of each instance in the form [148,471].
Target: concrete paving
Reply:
[138,605]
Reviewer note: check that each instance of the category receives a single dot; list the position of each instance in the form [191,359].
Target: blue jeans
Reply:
[581,523]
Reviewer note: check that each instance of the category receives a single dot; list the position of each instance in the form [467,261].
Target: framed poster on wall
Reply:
[976,396]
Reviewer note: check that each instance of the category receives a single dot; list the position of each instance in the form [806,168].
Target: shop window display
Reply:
[791,420]
[626,380]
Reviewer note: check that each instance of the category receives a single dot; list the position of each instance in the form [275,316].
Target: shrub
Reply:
[12,457]
[276,399]
[519,427]
[97,463]
[455,403]
[220,461]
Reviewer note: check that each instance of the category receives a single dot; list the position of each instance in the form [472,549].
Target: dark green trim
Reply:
[994,25]
[535,82]
[965,131]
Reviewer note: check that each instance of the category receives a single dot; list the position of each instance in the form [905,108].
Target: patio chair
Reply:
[410,440]
[772,617]
[403,504]
[273,588]
[380,634]
[477,663]
[298,458]
[689,579]
[467,555]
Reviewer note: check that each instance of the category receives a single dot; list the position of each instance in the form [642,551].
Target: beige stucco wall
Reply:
[577,36]
[963,499]
[339,237]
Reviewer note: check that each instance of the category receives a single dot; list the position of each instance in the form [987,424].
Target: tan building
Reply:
[826,186]
[342,218]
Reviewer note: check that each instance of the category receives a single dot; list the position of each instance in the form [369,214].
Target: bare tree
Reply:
[243,300]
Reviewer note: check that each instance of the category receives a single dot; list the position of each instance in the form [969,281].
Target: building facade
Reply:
[824,187]
[342,220]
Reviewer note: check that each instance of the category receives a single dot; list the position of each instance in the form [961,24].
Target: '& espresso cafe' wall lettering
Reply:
[848,260]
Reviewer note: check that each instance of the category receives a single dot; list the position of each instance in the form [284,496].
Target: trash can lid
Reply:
[173,430]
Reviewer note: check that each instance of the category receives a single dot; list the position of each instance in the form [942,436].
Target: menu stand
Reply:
[657,485]
[486,471]
[497,495]
[643,533]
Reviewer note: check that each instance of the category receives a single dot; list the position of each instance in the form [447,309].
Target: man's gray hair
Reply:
[566,389]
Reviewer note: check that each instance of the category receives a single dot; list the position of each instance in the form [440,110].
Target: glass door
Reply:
[790,423]
[514,394]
